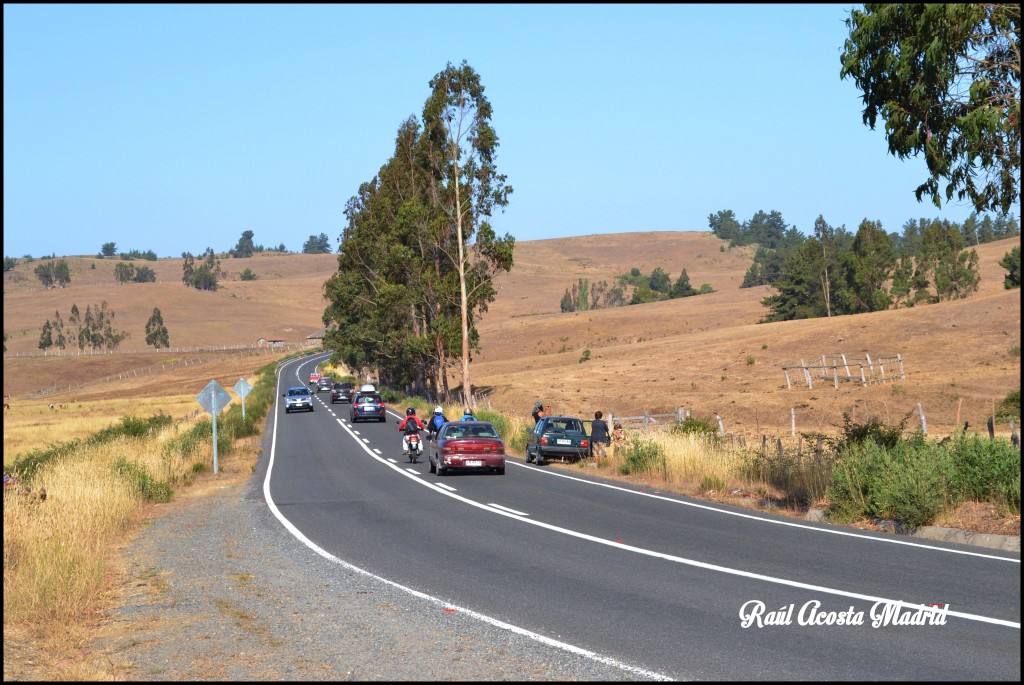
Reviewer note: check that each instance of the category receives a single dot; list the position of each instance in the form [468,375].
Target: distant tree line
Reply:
[834,272]
[93,331]
[129,273]
[53,274]
[652,287]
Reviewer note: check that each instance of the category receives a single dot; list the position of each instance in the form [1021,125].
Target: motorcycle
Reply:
[415,450]
[415,446]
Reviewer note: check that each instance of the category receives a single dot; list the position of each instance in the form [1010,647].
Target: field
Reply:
[706,353]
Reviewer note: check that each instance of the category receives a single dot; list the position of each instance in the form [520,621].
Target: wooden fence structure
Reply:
[863,370]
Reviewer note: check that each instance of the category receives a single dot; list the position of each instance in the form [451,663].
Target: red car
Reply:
[466,446]
[314,377]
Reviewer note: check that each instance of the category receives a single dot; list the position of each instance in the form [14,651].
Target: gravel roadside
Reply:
[216,589]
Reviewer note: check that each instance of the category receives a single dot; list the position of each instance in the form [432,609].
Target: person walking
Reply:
[599,437]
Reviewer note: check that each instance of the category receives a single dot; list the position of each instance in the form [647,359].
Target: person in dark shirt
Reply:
[599,437]
[538,413]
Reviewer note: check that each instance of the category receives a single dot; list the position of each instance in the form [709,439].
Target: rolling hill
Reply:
[705,353]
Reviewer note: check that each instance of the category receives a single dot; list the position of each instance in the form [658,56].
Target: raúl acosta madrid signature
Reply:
[755,614]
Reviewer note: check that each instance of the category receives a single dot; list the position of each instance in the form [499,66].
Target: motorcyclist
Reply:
[436,421]
[468,416]
[409,425]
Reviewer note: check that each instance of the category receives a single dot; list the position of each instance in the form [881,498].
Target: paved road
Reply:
[654,582]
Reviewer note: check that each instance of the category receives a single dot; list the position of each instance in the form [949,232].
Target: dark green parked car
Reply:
[561,437]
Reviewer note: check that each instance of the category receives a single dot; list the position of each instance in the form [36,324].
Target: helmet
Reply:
[438,410]
[468,411]
[410,411]
[538,405]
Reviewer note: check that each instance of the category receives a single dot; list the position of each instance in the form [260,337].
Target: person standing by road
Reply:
[599,437]
[538,413]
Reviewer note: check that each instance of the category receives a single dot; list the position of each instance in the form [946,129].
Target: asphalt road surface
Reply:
[665,586]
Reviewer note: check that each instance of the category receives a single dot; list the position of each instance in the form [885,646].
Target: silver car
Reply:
[298,398]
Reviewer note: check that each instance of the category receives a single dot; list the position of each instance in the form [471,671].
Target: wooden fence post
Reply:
[792,421]
[924,424]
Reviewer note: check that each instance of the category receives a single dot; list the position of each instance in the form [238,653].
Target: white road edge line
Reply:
[639,550]
[429,598]
[777,522]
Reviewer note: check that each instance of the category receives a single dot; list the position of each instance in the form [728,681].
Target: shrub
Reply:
[642,455]
[907,483]
[1009,407]
[709,483]
[142,482]
[693,425]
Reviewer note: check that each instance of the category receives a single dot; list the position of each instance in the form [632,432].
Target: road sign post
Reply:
[213,399]
[242,388]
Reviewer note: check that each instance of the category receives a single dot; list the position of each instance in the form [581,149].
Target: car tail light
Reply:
[584,443]
[543,439]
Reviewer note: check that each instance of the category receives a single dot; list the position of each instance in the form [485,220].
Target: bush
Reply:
[642,456]
[1009,407]
[693,425]
[907,483]
[143,483]
[984,470]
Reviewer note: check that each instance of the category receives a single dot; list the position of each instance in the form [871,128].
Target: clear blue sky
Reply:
[176,128]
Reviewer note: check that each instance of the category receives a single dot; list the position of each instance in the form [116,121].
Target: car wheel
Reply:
[501,471]
[287,410]
[431,468]
[529,456]
[438,469]
[382,419]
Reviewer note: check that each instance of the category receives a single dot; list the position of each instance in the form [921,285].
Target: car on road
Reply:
[342,392]
[298,398]
[314,377]
[466,446]
[324,383]
[368,406]
[561,437]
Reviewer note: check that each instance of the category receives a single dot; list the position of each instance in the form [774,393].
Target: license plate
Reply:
[474,462]
[563,442]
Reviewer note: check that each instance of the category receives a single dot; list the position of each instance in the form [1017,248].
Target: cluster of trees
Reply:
[203,275]
[128,273]
[53,273]
[94,331]
[110,249]
[651,287]
[835,272]
[245,246]
[317,244]
[418,256]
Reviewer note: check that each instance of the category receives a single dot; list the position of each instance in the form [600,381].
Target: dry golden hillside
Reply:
[706,353]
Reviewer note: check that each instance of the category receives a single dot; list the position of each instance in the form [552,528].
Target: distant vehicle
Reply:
[557,436]
[314,377]
[467,446]
[325,383]
[298,398]
[367,406]
[342,392]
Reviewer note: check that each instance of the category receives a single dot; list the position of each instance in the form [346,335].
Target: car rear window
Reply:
[375,399]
